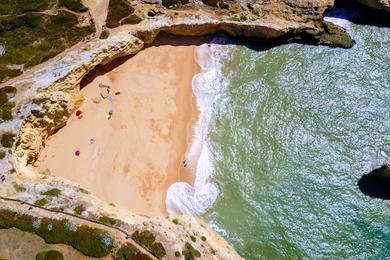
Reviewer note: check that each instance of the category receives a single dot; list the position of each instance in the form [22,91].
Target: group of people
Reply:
[105,93]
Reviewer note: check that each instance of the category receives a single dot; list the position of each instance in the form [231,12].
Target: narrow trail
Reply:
[119,232]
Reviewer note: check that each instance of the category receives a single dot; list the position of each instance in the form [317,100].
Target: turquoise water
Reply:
[293,133]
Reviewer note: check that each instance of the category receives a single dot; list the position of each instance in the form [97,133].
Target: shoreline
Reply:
[162,119]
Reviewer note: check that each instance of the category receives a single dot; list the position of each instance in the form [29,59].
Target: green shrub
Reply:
[130,252]
[19,188]
[49,255]
[74,5]
[117,10]
[79,209]
[6,106]
[28,5]
[32,38]
[2,155]
[203,238]
[107,220]
[177,254]
[147,239]
[7,140]
[104,34]
[213,3]
[190,252]
[41,202]
[132,19]
[175,221]
[193,239]
[52,192]
[87,240]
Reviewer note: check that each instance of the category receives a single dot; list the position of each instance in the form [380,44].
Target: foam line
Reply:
[207,85]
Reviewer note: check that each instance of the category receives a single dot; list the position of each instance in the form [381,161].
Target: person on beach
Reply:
[110,112]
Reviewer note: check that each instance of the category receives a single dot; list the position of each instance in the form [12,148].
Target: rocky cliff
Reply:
[46,96]
[377,4]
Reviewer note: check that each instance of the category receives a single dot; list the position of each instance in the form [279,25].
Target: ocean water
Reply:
[293,129]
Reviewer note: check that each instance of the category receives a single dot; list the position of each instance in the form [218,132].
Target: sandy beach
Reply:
[139,152]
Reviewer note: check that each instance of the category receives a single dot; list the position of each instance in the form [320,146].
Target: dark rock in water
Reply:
[336,36]
[376,184]
[384,173]
[377,4]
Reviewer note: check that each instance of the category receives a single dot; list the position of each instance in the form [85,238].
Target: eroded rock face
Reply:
[377,4]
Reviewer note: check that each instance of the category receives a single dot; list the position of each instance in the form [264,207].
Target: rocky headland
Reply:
[37,103]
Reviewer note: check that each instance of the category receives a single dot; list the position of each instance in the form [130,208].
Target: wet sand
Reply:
[139,152]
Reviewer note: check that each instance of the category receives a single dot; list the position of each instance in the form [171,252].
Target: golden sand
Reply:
[139,152]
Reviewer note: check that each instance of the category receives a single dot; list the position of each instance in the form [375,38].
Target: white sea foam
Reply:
[207,85]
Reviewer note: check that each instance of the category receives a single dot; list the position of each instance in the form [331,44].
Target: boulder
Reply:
[377,4]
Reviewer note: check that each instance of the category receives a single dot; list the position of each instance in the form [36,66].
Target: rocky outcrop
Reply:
[377,4]
[383,173]
[376,184]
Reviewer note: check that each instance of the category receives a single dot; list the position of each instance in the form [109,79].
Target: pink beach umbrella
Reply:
[77,153]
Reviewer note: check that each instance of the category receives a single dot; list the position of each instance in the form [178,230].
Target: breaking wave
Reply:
[207,85]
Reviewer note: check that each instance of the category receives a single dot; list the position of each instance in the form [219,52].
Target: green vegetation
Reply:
[7,140]
[74,5]
[203,238]
[30,38]
[130,252]
[213,3]
[147,239]
[117,11]
[5,105]
[49,255]
[19,188]
[107,220]
[104,34]
[132,19]
[193,239]
[79,209]
[190,252]
[41,202]
[87,240]
[177,254]
[52,192]
[175,221]
[2,155]
[21,6]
